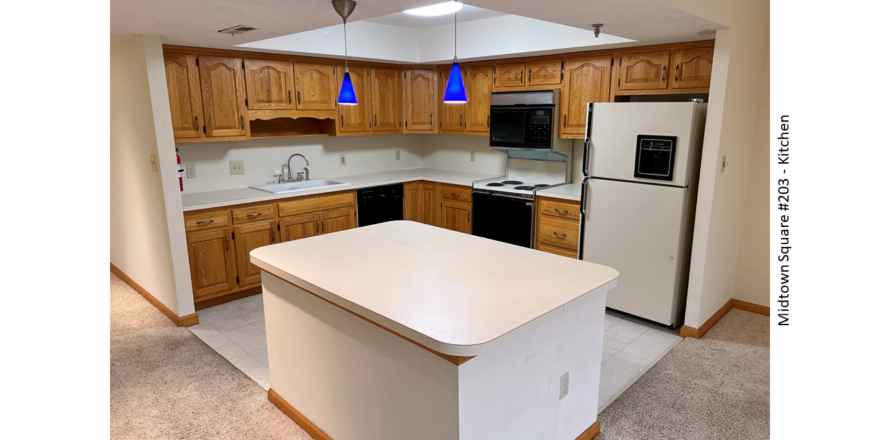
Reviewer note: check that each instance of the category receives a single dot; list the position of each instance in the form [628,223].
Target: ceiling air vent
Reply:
[240,29]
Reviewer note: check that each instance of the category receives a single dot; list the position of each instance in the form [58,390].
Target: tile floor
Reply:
[237,330]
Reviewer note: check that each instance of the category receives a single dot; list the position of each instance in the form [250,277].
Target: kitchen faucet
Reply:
[299,176]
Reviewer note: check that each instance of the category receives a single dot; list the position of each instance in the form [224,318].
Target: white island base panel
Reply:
[355,380]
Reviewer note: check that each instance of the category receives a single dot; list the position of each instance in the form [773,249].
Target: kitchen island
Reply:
[406,331]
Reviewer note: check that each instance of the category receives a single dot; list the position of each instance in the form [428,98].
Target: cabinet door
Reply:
[510,75]
[456,216]
[644,71]
[356,118]
[693,67]
[479,91]
[182,76]
[315,86]
[412,202]
[223,93]
[247,238]
[586,80]
[430,204]
[386,99]
[269,84]
[337,220]
[546,72]
[419,89]
[300,226]
[211,261]
[451,115]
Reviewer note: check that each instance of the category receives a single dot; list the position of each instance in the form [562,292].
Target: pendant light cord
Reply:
[455,36]
[345,39]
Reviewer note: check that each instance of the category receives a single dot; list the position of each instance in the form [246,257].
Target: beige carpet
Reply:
[717,387]
[165,383]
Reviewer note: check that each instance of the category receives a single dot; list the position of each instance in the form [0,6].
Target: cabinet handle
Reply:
[298,98]
[273,234]
[487,120]
[455,194]
[289,99]
[227,243]
[459,120]
[322,226]
[530,75]
[317,227]
[343,120]
[564,121]
[432,119]
[242,122]
[469,216]
[663,74]
[256,214]
[375,121]
[197,123]
[560,235]
[564,211]
[676,73]
[520,76]
[205,222]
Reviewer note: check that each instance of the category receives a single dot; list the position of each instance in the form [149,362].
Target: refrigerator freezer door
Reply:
[636,229]
[615,127]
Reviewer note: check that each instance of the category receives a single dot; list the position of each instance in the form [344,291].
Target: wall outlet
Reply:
[236,167]
[473,156]
[563,386]
[154,164]
[396,154]
[190,171]
[342,160]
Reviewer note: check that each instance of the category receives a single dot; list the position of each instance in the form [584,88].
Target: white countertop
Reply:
[571,191]
[455,293]
[238,196]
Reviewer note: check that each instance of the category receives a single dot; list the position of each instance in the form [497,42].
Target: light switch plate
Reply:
[342,160]
[190,171]
[236,167]
[563,386]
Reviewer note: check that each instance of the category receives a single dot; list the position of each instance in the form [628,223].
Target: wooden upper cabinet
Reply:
[510,75]
[586,80]
[545,72]
[223,94]
[419,90]
[315,86]
[451,115]
[182,76]
[478,85]
[211,261]
[386,99]
[269,84]
[356,118]
[456,216]
[336,220]
[644,71]
[693,68]
[247,238]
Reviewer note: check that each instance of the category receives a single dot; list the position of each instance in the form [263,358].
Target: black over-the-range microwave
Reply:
[522,120]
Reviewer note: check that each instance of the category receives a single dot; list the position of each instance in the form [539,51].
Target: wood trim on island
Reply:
[697,333]
[297,417]
[457,360]
[590,433]
[180,321]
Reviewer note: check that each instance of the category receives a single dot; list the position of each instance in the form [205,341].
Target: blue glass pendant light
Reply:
[346,93]
[455,93]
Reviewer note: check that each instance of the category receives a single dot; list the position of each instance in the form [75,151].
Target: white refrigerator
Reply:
[640,168]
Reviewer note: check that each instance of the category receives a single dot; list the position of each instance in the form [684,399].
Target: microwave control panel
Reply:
[540,126]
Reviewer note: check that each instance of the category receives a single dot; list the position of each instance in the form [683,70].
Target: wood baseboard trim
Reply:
[180,321]
[297,417]
[690,332]
[591,432]
[226,298]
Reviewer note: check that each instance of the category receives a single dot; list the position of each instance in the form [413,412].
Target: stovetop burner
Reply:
[512,182]
[494,184]
[525,188]
[541,185]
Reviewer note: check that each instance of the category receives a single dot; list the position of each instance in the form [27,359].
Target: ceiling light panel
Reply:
[436,10]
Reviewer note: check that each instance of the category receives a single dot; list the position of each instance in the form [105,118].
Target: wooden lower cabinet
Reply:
[338,220]
[412,202]
[299,226]
[430,204]
[211,262]
[248,237]
[558,229]
[456,216]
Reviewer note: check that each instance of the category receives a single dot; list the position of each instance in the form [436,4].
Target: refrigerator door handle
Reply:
[588,139]
[584,187]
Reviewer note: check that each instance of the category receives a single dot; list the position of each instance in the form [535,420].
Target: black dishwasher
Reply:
[380,204]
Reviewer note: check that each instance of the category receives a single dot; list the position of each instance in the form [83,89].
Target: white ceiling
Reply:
[467,13]
[196,22]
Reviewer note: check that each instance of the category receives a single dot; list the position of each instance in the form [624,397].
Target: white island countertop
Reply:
[455,293]
[238,196]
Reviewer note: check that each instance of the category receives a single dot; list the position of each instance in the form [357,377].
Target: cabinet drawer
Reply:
[206,220]
[462,193]
[558,209]
[558,233]
[317,203]
[558,251]
[252,214]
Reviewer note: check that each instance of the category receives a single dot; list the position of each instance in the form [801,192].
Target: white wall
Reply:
[145,217]
[263,158]
[453,152]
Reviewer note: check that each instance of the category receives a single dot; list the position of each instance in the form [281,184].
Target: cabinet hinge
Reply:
[334,70]
[197,62]
[404,75]
[233,235]
[236,279]
[406,124]
[561,76]
[242,64]
[618,82]
[612,61]
[204,129]
[245,102]
[279,227]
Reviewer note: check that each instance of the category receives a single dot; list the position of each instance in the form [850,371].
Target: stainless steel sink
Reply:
[280,188]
